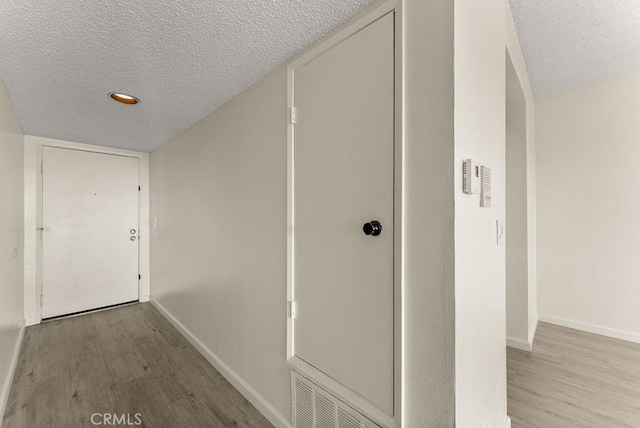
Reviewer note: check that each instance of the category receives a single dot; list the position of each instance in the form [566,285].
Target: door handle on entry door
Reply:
[373,228]
[133,238]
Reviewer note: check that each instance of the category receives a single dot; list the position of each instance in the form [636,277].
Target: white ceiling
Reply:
[60,58]
[572,42]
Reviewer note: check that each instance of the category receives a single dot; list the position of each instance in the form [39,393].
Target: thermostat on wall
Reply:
[471,176]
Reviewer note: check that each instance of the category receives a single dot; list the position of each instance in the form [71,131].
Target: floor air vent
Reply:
[313,407]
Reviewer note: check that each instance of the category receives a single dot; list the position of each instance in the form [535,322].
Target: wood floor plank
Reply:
[125,360]
[574,379]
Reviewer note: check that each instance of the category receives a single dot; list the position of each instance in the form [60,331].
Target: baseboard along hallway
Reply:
[122,366]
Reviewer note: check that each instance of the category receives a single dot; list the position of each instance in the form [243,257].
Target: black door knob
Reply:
[373,228]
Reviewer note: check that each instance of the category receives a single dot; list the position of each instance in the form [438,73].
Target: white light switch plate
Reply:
[500,231]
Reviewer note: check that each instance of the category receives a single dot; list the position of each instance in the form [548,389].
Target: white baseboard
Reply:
[507,423]
[525,345]
[245,389]
[518,344]
[592,328]
[533,327]
[32,321]
[6,388]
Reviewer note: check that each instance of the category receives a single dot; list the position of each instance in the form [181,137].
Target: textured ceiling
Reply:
[60,58]
[572,42]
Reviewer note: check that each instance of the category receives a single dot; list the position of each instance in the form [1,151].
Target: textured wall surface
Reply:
[588,230]
[182,59]
[516,57]
[572,42]
[218,254]
[428,396]
[479,262]
[223,275]
[11,242]
[516,208]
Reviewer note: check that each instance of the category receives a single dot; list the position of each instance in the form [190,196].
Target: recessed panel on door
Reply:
[90,230]
[343,215]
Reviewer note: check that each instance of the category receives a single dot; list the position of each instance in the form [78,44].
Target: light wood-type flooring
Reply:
[574,379]
[125,360]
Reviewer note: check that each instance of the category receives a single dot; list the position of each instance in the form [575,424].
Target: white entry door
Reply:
[90,236]
[343,183]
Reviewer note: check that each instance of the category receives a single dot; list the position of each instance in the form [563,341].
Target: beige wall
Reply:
[479,262]
[11,233]
[588,231]
[218,254]
[516,216]
[522,308]
[428,276]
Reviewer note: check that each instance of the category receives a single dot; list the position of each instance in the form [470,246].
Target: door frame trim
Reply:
[33,149]
[368,16]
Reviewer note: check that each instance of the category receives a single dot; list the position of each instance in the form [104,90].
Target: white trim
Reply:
[507,423]
[32,321]
[525,345]
[363,19]
[518,344]
[6,388]
[398,252]
[33,218]
[533,327]
[258,401]
[591,328]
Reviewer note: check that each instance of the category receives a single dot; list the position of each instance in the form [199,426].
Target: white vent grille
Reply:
[345,420]
[313,407]
[303,408]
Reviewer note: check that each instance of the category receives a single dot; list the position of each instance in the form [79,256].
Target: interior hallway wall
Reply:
[480,337]
[218,253]
[11,239]
[588,230]
[516,212]
[522,295]
[428,187]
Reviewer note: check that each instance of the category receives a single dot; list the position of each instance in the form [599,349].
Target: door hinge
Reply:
[139,277]
[292,309]
[41,167]
[292,115]
[41,300]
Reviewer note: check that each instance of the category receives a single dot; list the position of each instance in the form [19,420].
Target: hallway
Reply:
[124,361]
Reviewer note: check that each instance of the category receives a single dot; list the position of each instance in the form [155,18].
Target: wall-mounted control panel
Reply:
[476,179]
[471,177]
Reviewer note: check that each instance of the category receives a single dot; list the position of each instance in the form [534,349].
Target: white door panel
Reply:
[344,178]
[90,207]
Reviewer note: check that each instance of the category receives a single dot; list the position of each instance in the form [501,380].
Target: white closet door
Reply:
[344,179]
[90,236]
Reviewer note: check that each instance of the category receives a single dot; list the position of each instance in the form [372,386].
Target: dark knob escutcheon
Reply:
[373,228]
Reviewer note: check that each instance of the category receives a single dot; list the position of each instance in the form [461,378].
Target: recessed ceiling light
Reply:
[123,98]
